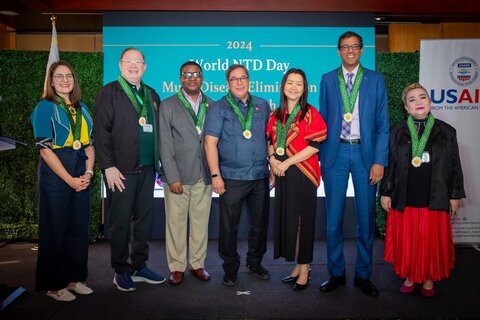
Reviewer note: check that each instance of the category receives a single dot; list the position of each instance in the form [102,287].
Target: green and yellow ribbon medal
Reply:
[282,130]
[418,145]
[137,101]
[197,119]
[246,124]
[75,124]
[349,100]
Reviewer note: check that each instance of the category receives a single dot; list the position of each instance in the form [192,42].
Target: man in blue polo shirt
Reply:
[236,149]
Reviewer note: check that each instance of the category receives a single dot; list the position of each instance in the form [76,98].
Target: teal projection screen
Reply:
[267,43]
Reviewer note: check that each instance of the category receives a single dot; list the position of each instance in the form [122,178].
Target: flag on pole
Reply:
[53,56]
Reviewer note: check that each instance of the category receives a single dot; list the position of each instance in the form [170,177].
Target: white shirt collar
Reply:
[354,71]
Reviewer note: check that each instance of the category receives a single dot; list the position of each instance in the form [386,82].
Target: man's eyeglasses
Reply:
[133,62]
[195,75]
[354,47]
[241,80]
[60,77]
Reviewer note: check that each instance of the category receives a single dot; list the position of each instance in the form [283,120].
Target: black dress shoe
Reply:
[289,279]
[259,271]
[332,283]
[229,279]
[366,286]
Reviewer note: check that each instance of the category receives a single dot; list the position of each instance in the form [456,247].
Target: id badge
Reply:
[425,157]
[147,128]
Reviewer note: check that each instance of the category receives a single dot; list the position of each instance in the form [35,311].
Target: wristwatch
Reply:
[215,175]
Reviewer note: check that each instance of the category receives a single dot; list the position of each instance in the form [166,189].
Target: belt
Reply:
[350,141]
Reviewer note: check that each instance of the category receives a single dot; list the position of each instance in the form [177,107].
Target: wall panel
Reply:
[66,42]
[406,37]
[461,30]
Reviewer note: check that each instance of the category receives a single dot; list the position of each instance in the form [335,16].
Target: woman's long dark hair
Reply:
[50,93]
[283,98]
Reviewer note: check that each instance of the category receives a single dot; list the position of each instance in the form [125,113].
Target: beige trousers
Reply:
[193,205]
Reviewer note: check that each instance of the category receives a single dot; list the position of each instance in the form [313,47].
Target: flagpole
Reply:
[53,55]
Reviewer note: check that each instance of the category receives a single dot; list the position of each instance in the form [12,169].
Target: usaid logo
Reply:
[464,71]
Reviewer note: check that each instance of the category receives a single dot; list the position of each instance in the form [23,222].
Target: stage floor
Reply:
[252,298]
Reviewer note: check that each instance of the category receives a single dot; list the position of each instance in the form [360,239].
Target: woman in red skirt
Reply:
[421,190]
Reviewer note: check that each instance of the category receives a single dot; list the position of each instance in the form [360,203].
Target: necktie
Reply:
[349,82]
[346,125]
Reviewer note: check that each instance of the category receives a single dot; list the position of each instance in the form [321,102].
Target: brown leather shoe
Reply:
[200,274]
[176,278]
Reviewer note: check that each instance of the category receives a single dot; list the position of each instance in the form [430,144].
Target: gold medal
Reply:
[199,130]
[77,144]
[416,162]
[347,117]
[247,134]
[280,151]
[142,121]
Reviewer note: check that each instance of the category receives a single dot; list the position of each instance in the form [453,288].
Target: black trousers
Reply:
[63,219]
[131,208]
[256,194]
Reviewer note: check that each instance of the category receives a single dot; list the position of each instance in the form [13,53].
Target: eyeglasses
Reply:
[237,80]
[133,62]
[195,75]
[354,47]
[61,77]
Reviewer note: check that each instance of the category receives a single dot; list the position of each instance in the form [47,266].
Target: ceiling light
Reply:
[9,13]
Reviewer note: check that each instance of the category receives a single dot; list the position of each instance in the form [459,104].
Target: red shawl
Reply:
[311,128]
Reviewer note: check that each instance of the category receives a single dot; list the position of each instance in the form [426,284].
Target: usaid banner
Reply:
[449,69]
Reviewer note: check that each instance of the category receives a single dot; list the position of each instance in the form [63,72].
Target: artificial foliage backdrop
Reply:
[22,75]
[21,84]
[399,70]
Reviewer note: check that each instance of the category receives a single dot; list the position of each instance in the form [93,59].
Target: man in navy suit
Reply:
[353,102]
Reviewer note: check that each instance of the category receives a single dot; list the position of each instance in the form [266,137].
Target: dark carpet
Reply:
[457,297]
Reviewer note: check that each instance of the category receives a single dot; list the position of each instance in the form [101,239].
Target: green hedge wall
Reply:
[399,69]
[21,83]
[22,75]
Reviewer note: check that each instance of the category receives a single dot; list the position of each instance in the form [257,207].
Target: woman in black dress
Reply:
[295,131]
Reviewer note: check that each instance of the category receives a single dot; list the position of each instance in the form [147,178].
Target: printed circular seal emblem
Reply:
[76,145]
[464,71]
[416,162]
[348,117]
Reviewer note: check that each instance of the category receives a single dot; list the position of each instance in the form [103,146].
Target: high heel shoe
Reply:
[299,287]
[289,279]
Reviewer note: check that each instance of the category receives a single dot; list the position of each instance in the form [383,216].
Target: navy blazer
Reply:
[373,113]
